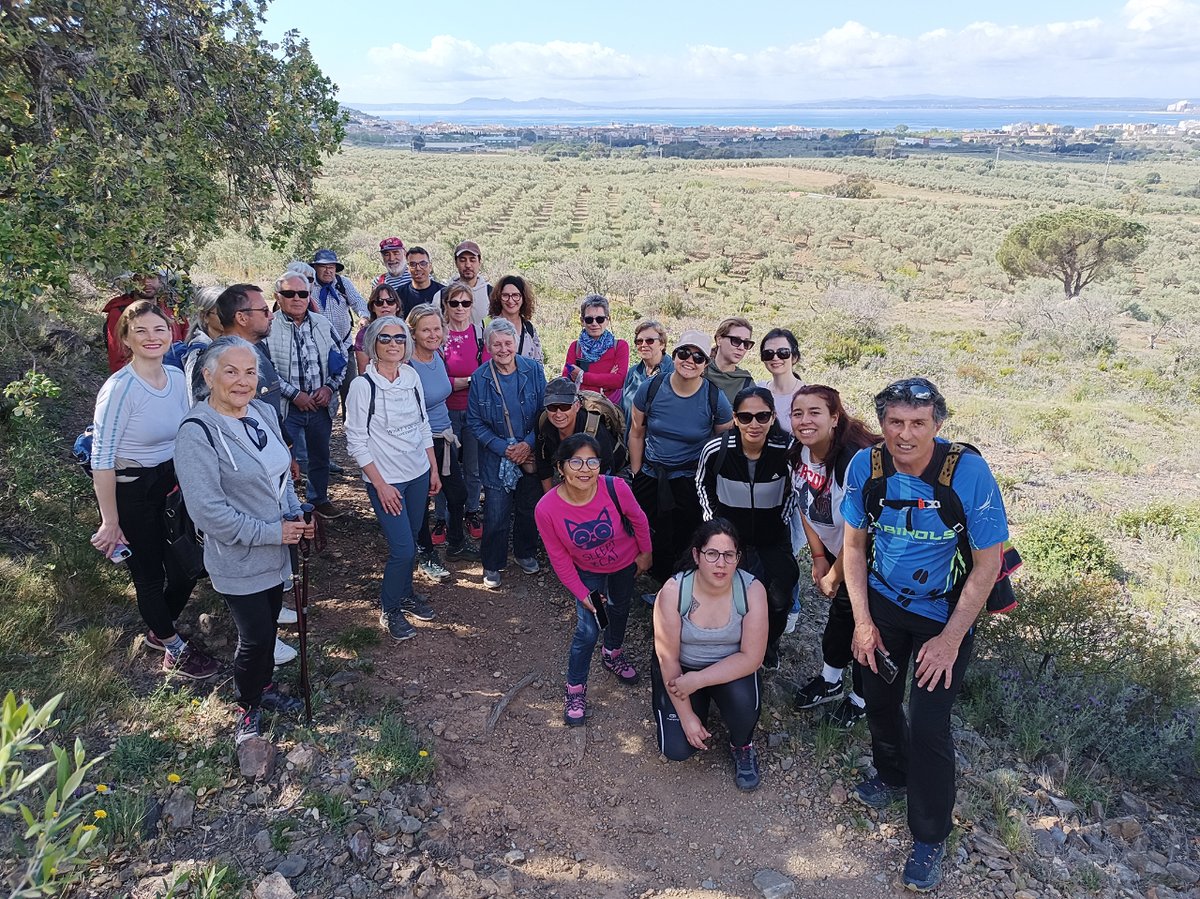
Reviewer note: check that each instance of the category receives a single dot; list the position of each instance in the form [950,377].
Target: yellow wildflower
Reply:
[100,813]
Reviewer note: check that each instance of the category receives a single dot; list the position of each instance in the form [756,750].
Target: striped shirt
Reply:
[135,422]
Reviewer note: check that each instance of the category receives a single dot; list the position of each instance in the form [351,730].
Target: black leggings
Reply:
[671,529]
[776,567]
[161,586]
[255,615]
[454,488]
[839,631]
[738,701]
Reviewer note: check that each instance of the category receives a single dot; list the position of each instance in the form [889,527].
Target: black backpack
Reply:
[371,406]
[939,474]
[656,384]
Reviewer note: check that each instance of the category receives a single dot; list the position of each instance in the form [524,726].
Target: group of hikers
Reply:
[677,468]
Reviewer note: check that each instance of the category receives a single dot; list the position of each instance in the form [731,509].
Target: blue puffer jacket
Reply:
[485,414]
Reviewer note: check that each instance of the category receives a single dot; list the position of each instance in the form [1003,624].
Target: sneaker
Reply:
[491,580]
[275,701]
[474,523]
[249,726]
[150,640]
[817,691]
[286,616]
[874,793]
[529,566]
[283,652]
[397,625]
[792,620]
[745,767]
[467,550]
[616,662]
[432,568]
[771,660]
[923,870]
[438,534]
[334,468]
[329,510]
[575,706]
[191,663]
[418,606]
[845,714]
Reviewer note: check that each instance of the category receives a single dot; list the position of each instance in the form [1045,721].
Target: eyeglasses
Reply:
[460,304]
[255,432]
[289,294]
[511,296]
[384,301]
[909,389]
[683,354]
[744,343]
[595,319]
[744,418]
[645,341]
[768,355]
[578,464]
[265,310]
[713,556]
[424,263]
[389,338]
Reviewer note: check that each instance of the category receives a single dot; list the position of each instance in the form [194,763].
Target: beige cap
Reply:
[697,339]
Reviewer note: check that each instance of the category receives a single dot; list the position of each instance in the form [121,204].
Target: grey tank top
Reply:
[700,647]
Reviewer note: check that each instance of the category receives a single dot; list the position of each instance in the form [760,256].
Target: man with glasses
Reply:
[468,259]
[562,419]
[301,342]
[421,287]
[915,597]
[244,313]
[732,341]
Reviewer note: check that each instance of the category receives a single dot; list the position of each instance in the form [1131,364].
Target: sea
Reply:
[848,119]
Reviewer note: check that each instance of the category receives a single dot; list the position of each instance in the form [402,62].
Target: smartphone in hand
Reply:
[885,666]
[601,613]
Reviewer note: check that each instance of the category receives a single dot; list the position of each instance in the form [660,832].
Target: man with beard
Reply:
[397,274]
[422,288]
[146,286]
[468,259]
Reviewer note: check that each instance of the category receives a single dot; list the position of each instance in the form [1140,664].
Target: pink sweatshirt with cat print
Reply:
[591,537]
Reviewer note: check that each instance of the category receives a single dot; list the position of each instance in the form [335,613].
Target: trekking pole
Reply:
[300,586]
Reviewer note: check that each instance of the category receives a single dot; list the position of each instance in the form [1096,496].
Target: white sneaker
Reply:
[793,619]
[287,616]
[283,652]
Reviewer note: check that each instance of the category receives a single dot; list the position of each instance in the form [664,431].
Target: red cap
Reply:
[391,243]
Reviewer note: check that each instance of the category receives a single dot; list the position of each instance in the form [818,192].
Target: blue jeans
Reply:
[312,429]
[505,512]
[400,531]
[470,464]
[617,587]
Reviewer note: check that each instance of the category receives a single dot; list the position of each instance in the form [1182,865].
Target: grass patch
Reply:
[397,754]
[125,812]
[334,811]
[281,833]
[355,639]
[136,756]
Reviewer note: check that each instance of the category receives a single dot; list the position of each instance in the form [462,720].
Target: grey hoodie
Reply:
[234,502]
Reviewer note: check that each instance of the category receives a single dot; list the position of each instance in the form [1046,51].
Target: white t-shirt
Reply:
[783,404]
[820,501]
[135,423]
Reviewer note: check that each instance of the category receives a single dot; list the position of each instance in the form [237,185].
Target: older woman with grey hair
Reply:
[205,328]
[388,434]
[503,404]
[597,360]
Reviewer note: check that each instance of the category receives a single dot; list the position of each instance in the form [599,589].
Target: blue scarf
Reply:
[328,292]
[592,348]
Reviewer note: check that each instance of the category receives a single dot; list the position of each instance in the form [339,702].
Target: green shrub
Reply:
[1063,545]
[1170,519]
[845,351]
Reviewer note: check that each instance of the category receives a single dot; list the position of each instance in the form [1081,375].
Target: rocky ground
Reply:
[519,804]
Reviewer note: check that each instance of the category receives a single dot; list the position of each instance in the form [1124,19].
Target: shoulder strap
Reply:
[685,592]
[591,424]
[478,345]
[371,406]
[341,287]
[841,463]
[207,432]
[712,401]
[739,591]
[612,492]
[652,391]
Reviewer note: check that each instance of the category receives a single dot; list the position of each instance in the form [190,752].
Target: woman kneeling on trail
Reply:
[710,633]
[598,541]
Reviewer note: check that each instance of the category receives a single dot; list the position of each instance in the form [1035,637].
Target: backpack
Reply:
[371,407]
[939,474]
[656,384]
[599,408]
[740,587]
[178,353]
[81,449]
[612,493]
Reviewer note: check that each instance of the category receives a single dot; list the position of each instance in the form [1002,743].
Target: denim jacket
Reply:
[485,414]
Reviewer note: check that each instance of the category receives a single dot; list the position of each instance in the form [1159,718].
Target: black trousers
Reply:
[255,615]
[739,702]
[671,530]
[836,651]
[923,737]
[776,567]
[454,488]
[162,588]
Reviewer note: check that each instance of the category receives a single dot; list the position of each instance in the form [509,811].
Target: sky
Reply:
[795,51]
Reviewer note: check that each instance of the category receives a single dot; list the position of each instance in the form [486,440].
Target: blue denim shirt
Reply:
[485,413]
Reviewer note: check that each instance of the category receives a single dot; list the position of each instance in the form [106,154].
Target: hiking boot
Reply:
[249,726]
[745,767]
[430,566]
[492,580]
[792,620]
[845,714]
[191,663]
[874,793]
[418,606]
[474,523]
[286,616]
[275,701]
[397,625]
[468,550]
[529,566]
[575,706]
[817,691]
[283,652]
[923,870]
[438,533]
[328,510]
[616,662]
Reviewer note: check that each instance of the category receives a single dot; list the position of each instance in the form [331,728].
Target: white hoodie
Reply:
[398,434]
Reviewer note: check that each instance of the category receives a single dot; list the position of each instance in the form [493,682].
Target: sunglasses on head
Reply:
[645,341]
[290,294]
[255,432]
[909,389]
[578,464]
[744,418]
[384,301]
[559,407]
[389,338]
[741,342]
[460,304]
[784,353]
[683,354]
[595,319]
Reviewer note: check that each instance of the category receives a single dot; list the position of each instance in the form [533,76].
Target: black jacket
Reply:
[756,505]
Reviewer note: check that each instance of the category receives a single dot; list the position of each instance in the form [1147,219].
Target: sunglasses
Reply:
[713,556]
[910,389]
[390,338]
[460,304]
[384,301]
[645,341]
[595,319]
[263,309]
[290,294]
[683,354]
[578,464]
[744,418]
[255,432]
[741,342]
[768,355]
[560,407]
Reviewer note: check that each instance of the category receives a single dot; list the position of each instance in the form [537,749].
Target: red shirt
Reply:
[607,374]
